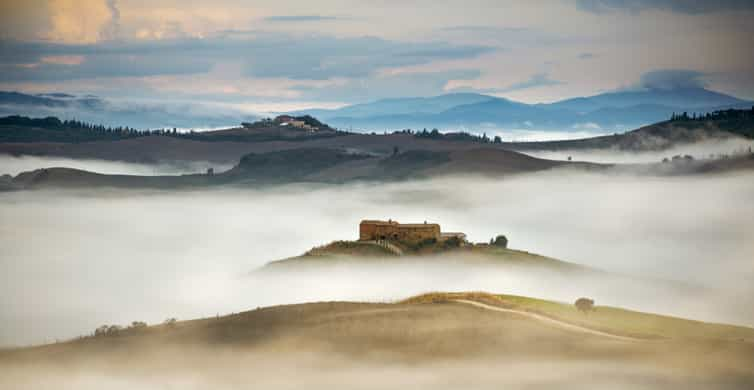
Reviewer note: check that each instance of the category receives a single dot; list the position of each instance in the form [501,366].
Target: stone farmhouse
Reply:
[375,230]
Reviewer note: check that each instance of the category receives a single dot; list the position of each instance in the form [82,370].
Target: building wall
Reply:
[389,230]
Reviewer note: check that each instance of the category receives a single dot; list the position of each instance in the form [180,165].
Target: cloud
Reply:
[324,57]
[384,86]
[111,30]
[262,55]
[672,79]
[507,36]
[299,18]
[681,6]
[75,67]
[537,80]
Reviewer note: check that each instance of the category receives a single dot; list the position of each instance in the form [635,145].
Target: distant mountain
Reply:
[613,112]
[401,106]
[679,97]
[608,112]
[141,115]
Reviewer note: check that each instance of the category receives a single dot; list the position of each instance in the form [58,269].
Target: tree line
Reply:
[714,115]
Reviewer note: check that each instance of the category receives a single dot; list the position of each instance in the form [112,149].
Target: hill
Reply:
[679,131]
[450,337]
[230,145]
[20,129]
[115,112]
[360,252]
[616,111]
[314,165]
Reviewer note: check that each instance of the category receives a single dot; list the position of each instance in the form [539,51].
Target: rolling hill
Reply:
[452,337]
[613,111]
[313,165]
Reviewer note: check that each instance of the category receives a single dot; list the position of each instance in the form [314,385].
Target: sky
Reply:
[296,54]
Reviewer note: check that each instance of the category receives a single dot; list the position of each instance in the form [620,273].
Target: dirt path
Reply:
[541,318]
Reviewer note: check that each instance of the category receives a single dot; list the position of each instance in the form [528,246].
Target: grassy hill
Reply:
[356,252]
[313,165]
[455,341]
[230,145]
[382,324]
[20,129]
[605,318]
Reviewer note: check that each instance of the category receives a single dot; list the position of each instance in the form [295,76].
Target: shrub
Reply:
[500,241]
[138,324]
[584,305]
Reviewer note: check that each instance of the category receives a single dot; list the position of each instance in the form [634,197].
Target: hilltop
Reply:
[51,137]
[309,165]
[484,255]
[618,110]
[680,130]
[423,331]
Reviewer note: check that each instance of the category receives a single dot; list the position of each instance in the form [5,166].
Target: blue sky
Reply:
[330,52]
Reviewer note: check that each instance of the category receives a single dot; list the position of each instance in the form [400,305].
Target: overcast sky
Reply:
[328,52]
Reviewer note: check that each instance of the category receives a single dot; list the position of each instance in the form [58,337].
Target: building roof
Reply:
[396,223]
[418,225]
[378,222]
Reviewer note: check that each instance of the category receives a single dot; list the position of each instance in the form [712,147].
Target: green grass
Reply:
[472,254]
[605,318]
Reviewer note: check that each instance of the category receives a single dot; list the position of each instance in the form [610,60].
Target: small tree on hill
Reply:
[500,241]
[584,305]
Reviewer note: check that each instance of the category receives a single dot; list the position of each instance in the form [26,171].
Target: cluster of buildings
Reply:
[375,230]
[287,120]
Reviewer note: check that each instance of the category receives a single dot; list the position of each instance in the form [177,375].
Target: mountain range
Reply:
[608,112]
[117,112]
[612,111]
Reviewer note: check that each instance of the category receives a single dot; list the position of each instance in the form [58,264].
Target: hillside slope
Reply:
[317,165]
[659,136]
[450,339]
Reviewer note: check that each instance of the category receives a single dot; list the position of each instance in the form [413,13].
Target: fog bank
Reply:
[10,165]
[699,150]
[73,260]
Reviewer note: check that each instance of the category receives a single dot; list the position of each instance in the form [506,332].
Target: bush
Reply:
[170,322]
[138,325]
[584,305]
[500,241]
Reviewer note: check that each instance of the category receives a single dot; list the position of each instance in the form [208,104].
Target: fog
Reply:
[225,371]
[74,260]
[533,135]
[698,150]
[10,165]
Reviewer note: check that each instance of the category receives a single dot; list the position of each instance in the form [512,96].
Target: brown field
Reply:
[431,341]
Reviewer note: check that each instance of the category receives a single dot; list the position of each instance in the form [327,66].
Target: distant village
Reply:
[306,122]
[417,234]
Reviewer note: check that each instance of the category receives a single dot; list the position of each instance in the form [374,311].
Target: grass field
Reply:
[384,345]
[605,318]
[339,252]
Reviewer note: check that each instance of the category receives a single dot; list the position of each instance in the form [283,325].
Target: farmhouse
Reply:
[371,230]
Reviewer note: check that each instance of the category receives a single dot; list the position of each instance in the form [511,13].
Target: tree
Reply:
[138,324]
[101,331]
[497,140]
[501,241]
[584,305]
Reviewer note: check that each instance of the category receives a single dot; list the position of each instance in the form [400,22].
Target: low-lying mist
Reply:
[698,150]
[237,370]
[10,165]
[74,260]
